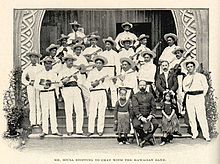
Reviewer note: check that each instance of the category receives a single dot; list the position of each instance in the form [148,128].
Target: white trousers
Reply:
[48,106]
[98,101]
[114,96]
[195,105]
[34,105]
[73,98]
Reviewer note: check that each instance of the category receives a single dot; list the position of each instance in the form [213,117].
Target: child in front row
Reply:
[170,122]
[122,117]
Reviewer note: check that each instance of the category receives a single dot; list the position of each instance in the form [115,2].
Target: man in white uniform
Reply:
[93,49]
[180,73]
[98,100]
[113,67]
[28,78]
[143,46]
[147,71]
[126,50]
[46,82]
[195,87]
[71,94]
[76,35]
[128,77]
[167,54]
[125,34]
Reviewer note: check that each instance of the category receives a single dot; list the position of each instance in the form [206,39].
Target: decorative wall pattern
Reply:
[189,30]
[27,24]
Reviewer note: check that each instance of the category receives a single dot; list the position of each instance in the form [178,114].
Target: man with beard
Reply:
[144,109]
[166,80]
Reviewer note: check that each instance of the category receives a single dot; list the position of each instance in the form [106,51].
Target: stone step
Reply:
[108,128]
[109,119]
[106,135]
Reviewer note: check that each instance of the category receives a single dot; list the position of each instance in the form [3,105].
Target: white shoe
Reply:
[120,143]
[162,143]
[127,143]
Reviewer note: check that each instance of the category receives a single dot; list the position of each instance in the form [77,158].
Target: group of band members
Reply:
[87,77]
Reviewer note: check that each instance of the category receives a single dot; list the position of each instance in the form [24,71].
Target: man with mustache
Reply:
[144,109]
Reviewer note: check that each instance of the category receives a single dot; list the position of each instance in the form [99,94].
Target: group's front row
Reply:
[133,109]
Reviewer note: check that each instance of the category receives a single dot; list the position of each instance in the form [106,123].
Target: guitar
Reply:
[175,69]
[47,83]
[68,77]
[98,80]
[80,39]
[94,53]
[132,57]
[156,46]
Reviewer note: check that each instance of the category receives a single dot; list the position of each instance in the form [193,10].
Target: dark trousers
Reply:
[144,136]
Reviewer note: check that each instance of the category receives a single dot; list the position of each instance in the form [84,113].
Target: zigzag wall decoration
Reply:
[189,24]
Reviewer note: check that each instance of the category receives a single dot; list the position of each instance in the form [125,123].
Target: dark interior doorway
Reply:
[138,29]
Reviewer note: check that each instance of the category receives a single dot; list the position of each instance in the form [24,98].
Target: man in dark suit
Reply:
[166,80]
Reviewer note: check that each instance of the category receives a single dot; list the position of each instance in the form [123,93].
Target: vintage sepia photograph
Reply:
[111,85]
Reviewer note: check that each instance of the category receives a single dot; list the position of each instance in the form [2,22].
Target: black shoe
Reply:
[42,135]
[70,133]
[89,134]
[142,143]
[177,133]
[58,134]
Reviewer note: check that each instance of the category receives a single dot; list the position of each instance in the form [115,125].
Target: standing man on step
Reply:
[46,82]
[72,96]
[195,87]
[28,78]
[97,83]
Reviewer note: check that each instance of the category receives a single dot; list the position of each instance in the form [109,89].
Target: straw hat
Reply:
[142,36]
[52,46]
[93,37]
[31,53]
[109,39]
[48,59]
[190,61]
[178,48]
[63,37]
[127,24]
[99,57]
[127,60]
[69,56]
[75,23]
[172,35]
[151,53]
[78,45]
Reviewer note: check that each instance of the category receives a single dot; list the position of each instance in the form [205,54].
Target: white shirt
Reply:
[126,34]
[95,74]
[142,48]
[130,80]
[147,72]
[31,73]
[80,60]
[92,49]
[113,59]
[175,62]
[69,50]
[196,82]
[167,54]
[65,72]
[76,34]
[126,53]
[47,75]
